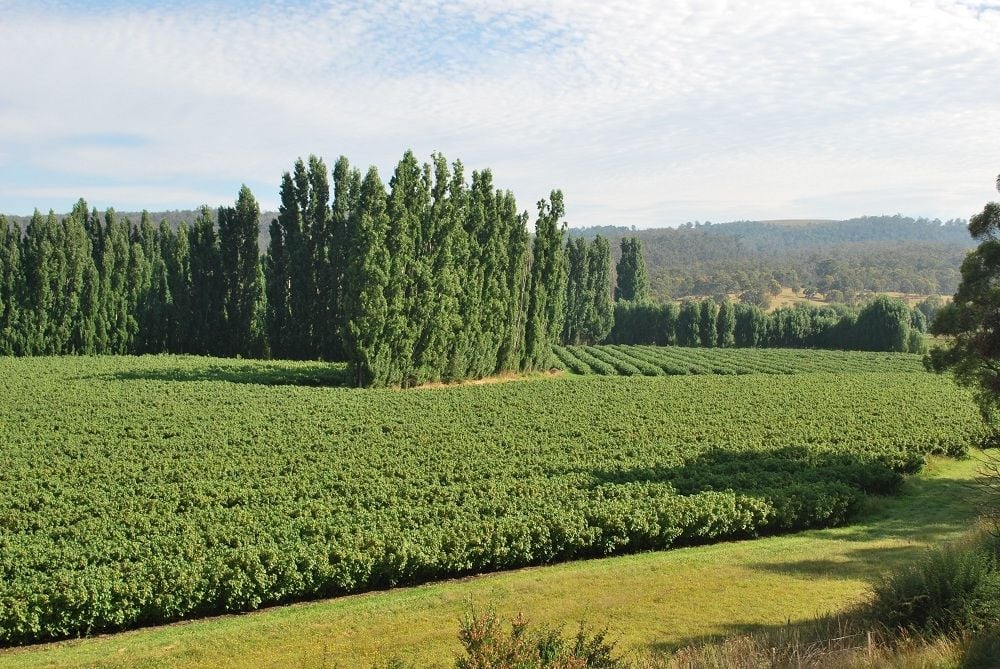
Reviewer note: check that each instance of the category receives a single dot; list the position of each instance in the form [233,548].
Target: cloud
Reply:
[644,112]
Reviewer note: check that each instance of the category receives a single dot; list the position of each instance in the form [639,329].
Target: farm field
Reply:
[143,490]
[635,360]
[652,601]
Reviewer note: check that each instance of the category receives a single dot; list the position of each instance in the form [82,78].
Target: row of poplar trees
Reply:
[433,278]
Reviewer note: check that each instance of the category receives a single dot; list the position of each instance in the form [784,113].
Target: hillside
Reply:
[871,253]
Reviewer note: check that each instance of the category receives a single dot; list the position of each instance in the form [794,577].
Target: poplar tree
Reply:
[276,286]
[517,271]
[443,316]
[468,270]
[325,320]
[346,197]
[11,282]
[751,325]
[41,281]
[688,324]
[708,330]
[207,288]
[632,283]
[548,283]
[726,324]
[77,301]
[366,278]
[602,313]
[113,309]
[425,308]
[578,302]
[405,207]
[293,218]
[177,257]
[239,228]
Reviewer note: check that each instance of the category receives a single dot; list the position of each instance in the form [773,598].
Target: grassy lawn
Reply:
[651,600]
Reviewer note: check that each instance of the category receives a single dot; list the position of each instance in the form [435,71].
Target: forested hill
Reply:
[871,253]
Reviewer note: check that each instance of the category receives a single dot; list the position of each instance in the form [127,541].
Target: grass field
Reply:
[652,601]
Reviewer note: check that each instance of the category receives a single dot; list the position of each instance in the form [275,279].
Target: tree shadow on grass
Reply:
[251,372]
[897,517]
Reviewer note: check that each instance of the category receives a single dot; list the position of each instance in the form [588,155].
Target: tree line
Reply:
[433,278]
[884,324]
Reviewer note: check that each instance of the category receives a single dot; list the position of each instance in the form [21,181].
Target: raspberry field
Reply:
[143,490]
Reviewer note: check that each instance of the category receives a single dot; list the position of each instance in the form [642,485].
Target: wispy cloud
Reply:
[644,112]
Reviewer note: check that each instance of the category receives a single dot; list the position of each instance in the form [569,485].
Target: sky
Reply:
[645,113]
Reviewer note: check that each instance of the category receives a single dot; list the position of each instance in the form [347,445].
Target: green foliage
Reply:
[365,278]
[546,305]
[141,490]
[487,644]
[881,325]
[972,320]
[953,589]
[589,311]
[708,319]
[688,325]
[630,360]
[632,284]
[726,325]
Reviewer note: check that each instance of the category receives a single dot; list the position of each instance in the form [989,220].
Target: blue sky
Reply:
[645,113]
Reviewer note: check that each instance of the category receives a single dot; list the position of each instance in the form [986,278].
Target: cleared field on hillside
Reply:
[637,360]
[138,490]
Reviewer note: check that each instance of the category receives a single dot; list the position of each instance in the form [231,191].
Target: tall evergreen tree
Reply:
[465,257]
[602,313]
[726,324]
[177,257]
[517,271]
[42,280]
[239,228]
[79,296]
[276,271]
[443,317]
[207,287]
[366,278]
[708,329]
[632,282]
[688,324]
[11,284]
[346,197]
[326,321]
[407,200]
[579,301]
[548,283]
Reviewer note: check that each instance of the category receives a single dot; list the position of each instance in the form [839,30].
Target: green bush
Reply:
[488,644]
[952,589]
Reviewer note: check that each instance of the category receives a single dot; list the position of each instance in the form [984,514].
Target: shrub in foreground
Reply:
[953,589]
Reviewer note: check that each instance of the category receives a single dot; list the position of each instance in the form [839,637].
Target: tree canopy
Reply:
[972,319]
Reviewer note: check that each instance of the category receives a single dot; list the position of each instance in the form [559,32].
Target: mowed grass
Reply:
[651,601]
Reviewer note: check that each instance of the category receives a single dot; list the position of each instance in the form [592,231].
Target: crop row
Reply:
[635,360]
[143,490]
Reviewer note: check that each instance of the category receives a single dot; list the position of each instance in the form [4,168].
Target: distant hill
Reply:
[871,253]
